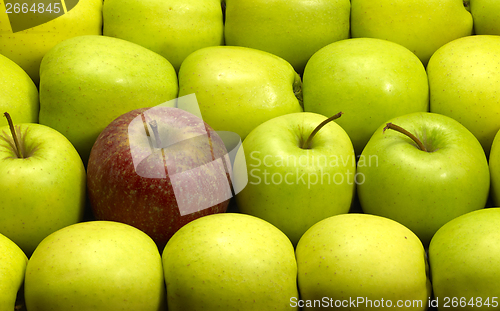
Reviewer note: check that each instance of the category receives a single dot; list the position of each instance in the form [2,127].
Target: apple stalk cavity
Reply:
[398,128]
[307,143]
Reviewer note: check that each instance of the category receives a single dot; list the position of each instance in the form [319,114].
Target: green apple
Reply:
[27,47]
[238,88]
[172,28]
[494,164]
[12,268]
[42,184]
[95,265]
[464,84]
[293,30]
[464,257]
[361,262]
[420,25]
[229,261]
[486,14]
[284,174]
[423,180]
[19,93]
[370,80]
[88,81]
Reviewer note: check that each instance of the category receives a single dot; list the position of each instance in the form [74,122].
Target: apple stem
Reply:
[405,132]
[154,127]
[14,135]
[309,139]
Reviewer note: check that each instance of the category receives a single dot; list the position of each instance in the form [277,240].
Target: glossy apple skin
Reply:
[291,187]
[12,269]
[229,261]
[486,14]
[464,84]
[422,26]
[359,255]
[43,192]
[19,93]
[369,80]
[27,47]
[308,25]
[424,190]
[464,257]
[118,191]
[238,88]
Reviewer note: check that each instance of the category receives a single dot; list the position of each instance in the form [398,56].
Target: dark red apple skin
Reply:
[118,193]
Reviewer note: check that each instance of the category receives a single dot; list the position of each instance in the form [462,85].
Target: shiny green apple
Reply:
[44,190]
[12,268]
[95,265]
[361,262]
[293,186]
[422,26]
[494,164]
[229,261]
[424,189]
[370,80]
[27,47]
[171,28]
[88,81]
[486,14]
[464,257]
[293,30]
[19,93]
[238,88]
[464,83]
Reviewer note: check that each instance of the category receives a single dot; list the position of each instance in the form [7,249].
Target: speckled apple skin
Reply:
[27,47]
[95,265]
[117,192]
[12,268]
[229,262]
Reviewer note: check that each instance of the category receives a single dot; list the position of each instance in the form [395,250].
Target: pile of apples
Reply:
[249,155]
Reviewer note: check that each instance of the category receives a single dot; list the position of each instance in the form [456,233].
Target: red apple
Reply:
[158,169]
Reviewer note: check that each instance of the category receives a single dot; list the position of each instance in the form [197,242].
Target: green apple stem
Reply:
[309,139]
[14,135]
[405,132]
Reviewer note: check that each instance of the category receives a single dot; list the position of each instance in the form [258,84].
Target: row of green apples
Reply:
[233,261]
[293,30]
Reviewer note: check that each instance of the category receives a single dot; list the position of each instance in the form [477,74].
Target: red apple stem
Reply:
[154,127]
[313,133]
[405,132]
[14,135]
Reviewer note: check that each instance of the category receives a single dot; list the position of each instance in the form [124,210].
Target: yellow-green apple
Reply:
[229,261]
[158,169]
[464,84]
[88,81]
[494,164]
[293,183]
[429,170]
[12,268]
[293,30]
[362,262]
[19,93]
[171,28]
[464,257]
[370,80]
[239,88]
[95,265]
[42,183]
[27,36]
[421,26]
[486,14]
